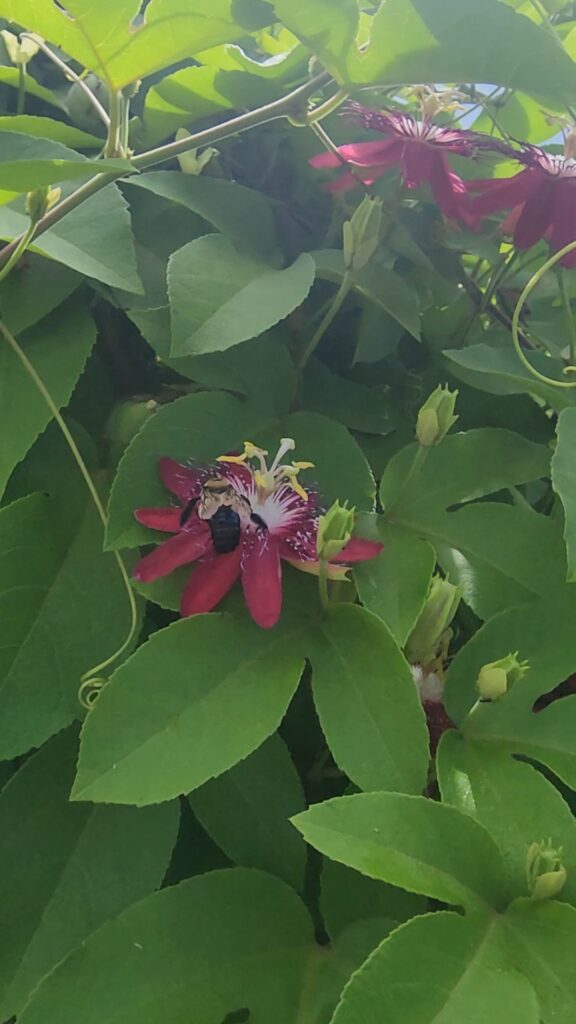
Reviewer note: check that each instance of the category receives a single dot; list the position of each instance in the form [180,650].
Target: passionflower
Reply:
[419,148]
[238,518]
[541,199]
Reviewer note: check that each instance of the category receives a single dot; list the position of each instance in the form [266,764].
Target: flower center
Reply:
[557,165]
[268,479]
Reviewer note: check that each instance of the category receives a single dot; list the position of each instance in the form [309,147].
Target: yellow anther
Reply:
[303,465]
[298,488]
[236,459]
[251,450]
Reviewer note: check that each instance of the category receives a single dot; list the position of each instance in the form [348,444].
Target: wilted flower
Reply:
[419,148]
[541,200]
[239,518]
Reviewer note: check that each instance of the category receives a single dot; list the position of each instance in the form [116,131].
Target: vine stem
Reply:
[568,315]
[18,251]
[534,280]
[333,309]
[21,101]
[88,679]
[269,112]
[71,75]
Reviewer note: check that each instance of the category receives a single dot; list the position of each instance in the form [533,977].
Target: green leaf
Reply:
[411,842]
[462,468]
[395,584]
[219,296]
[94,239]
[379,285]
[26,298]
[367,702]
[29,163]
[564,482]
[64,609]
[66,869]
[220,670]
[540,937]
[246,812]
[346,896]
[328,27]
[542,634]
[439,43]
[244,215]
[194,952]
[106,39]
[198,427]
[58,348]
[501,794]
[10,76]
[354,405]
[498,371]
[48,128]
[436,969]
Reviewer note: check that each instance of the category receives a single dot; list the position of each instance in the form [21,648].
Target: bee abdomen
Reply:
[225,529]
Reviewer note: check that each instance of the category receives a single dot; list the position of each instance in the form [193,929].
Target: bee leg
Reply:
[187,511]
[255,518]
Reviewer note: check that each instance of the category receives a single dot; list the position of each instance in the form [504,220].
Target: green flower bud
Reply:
[432,626]
[334,530]
[40,201]
[20,51]
[436,416]
[496,678]
[545,873]
[361,234]
[125,421]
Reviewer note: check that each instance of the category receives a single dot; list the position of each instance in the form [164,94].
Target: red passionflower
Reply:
[239,520]
[419,148]
[541,200]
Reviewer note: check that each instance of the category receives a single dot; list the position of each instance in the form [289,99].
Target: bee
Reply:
[225,510]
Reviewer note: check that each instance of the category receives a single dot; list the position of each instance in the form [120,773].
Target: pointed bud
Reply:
[496,678]
[545,872]
[431,629]
[40,201]
[361,234]
[436,416]
[334,530]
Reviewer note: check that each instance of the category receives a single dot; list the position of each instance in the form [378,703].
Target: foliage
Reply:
[232,790]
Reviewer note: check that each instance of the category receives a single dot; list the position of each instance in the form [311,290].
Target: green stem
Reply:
[323,584]
[525,295]
[18,251]
[328,107]
[116,107]
[269,112]
[420,456]
[72,76]
[88,679]
[568,314]
[21,102]
[335,306]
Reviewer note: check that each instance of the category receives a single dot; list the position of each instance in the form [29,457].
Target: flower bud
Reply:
[436,416]
[194,161]
[496,678]
[545,872]
[40,201]
[125,421]
[361,234]
[20,51]
[431,628]
[334,530]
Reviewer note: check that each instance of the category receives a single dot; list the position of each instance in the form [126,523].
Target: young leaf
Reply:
[197,698]
[412,842]
[199,428]
[564,482]
[394,585]
[58,348]
[246,811]
[435,968]
[501,794]
[367,702]
[220,296]
[198,951]
[66,868]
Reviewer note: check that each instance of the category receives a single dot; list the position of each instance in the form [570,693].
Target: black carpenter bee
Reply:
[224,510]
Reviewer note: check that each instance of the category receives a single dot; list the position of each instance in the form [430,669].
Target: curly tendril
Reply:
[534,280]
